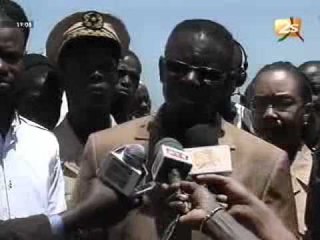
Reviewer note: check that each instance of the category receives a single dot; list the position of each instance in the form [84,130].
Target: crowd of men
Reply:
[51,184]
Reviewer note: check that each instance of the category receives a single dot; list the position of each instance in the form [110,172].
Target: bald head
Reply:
[312,70]
[205,38]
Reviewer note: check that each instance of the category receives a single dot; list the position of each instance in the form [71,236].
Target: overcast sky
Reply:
[150,22]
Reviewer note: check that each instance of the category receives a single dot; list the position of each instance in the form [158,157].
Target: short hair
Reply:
[14,12]
[220,36]
[34,60]
[304,65]
[304,84]
[132,54]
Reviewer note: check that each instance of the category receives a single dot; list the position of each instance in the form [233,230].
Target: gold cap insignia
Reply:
[92,20]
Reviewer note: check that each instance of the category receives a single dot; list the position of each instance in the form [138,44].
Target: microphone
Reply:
[201,142]
[171,163]
[124,168]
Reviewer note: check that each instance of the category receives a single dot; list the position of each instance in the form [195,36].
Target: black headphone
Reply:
[241,73]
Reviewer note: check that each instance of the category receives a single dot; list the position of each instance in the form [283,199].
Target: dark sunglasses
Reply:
[209,76]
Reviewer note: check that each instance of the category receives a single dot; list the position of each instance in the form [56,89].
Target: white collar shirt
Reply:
[31,178]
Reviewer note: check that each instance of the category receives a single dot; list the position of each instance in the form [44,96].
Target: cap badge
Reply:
[92,20]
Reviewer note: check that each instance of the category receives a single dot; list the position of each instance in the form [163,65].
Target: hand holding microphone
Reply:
[246,208]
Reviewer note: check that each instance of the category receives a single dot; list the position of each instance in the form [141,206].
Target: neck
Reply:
[226,110]
[175,124]
[7,112]
[121,111]
[86,123]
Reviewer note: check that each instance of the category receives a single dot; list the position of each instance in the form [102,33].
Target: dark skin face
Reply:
[129,76]
[278,108]
[142,102]
[187,90]
[90,73]
[313,73]
[11,52]
[42,96]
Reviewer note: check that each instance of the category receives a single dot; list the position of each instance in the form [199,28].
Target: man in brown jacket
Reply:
[196,76]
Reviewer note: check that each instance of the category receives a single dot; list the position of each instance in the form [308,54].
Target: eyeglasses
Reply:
[207,75]
[260,105]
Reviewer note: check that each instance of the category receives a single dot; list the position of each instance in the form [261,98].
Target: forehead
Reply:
[315,68]
[37,75]
[271,83]
[11,39]
[129,62]
[196,49]
[89,47]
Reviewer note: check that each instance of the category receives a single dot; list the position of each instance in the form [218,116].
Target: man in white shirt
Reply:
[31,180]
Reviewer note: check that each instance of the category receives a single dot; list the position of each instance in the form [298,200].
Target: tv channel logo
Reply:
[288,28]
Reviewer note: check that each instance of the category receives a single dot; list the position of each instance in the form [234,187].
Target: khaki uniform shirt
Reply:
[300,171]
[71,149]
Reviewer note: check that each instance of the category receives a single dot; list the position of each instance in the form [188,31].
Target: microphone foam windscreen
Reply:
[135,155]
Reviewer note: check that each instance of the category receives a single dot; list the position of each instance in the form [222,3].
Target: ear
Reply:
[162,68]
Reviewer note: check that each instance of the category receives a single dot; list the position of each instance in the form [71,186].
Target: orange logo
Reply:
[288,28]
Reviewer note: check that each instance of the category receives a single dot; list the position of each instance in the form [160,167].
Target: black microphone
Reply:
[201,135]
[171,163]
[123,169]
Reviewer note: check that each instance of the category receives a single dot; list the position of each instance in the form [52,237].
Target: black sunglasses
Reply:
[210,76]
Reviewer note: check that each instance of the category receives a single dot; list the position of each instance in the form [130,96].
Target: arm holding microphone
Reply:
[102,201]
[207,215]
[170,167]
[243,206]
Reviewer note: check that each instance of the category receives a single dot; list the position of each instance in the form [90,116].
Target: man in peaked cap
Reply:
[86,46]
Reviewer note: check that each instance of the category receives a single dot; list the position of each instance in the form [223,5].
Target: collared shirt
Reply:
[71,150]
[300,172]
[31,180]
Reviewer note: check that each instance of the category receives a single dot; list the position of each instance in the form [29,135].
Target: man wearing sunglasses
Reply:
[195,75]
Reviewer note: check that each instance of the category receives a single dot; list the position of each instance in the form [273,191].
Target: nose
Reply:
[192,78]
[97,76]
[125,81]
[270,114]
[3,68]
[144,104]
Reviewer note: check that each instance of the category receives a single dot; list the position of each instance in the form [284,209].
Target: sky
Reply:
[150,21]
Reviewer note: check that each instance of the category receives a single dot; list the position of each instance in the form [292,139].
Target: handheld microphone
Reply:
[124,168]
[208,156]
[171,163]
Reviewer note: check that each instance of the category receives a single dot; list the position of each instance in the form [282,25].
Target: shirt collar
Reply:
[16,121]
[302,164]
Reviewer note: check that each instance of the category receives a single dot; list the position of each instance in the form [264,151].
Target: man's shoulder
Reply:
[32,124]
[35,130]
[243,137]
[252,148]
[126,130]
[134,131]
